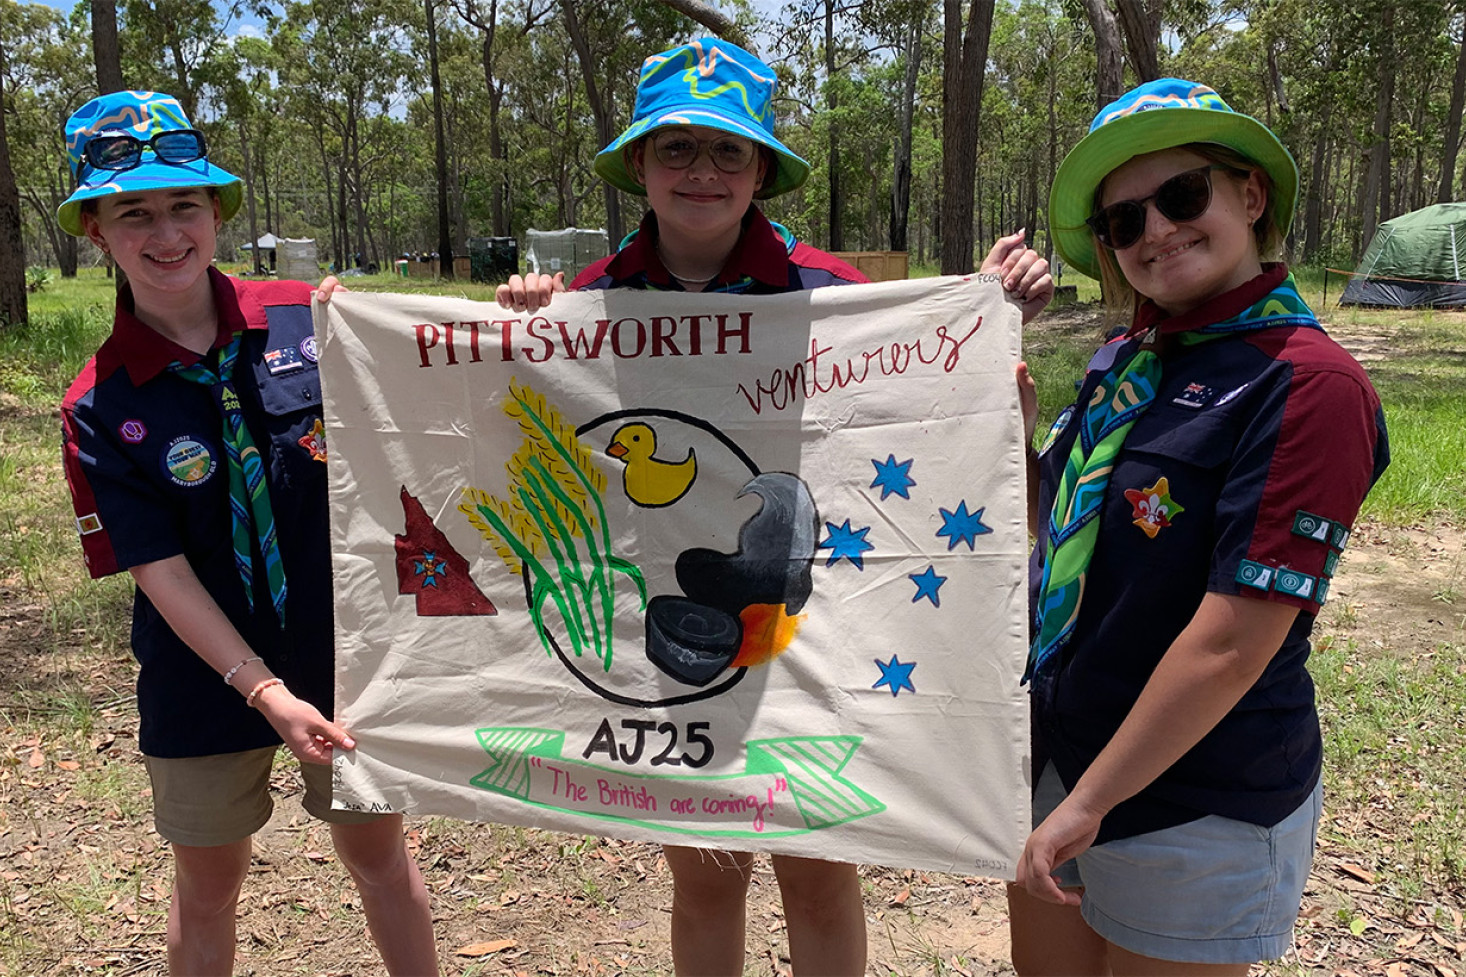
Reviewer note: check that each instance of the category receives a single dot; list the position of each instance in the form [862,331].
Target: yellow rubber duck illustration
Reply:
[650,482]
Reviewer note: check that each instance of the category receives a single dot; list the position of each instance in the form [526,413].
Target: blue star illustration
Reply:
[895,675]
[893,476]
[928,585]
[962,526]
[430,568]
[846,542]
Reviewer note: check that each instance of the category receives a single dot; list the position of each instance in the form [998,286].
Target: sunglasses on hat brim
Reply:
[1184,197]
[121,151]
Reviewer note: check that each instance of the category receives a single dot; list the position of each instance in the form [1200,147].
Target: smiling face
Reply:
[700,202]
[163,239]
[1183,265]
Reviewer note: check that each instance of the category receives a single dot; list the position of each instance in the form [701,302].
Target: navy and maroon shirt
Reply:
[767,260]
[1264,444]
[149,480]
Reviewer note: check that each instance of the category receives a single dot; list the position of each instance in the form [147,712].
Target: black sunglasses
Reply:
[120,151]
[677,149]
[1184,197]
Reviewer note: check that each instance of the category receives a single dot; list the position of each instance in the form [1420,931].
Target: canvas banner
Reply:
[737,571]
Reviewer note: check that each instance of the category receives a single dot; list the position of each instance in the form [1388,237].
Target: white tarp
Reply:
[745,571]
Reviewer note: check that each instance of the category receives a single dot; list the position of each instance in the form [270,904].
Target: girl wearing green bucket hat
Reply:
[194,452]
[701,148]
[1192,506]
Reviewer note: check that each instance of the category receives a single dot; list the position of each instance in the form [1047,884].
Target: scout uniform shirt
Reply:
[149,479]
[1244,476]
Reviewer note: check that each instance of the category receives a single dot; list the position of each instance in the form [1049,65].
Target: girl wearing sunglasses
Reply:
[195,456]
[1192,507]
[701,160]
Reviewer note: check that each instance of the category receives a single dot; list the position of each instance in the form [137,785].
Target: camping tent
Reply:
[298,259]
[1417,258]
[569,250]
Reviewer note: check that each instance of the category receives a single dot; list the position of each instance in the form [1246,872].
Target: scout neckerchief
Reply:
[1125,391]
[249,498]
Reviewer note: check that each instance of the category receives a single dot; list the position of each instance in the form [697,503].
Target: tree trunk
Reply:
[1313,202]
[713,19]
[832,105]
[105,52]
[1141,21]
[1447,189]
[13,311]
[249,198]
[1109,80]
[901,179]
[964,63]
[445,225]
[1376,196]
[598,107]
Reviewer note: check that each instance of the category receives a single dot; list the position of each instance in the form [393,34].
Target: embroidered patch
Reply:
[88,524]
[1330,563]
[1195,396]
[308,348]
[1322,593]
[1256,575]
[1295,583]
[1153,508]
[283,360]
[1229,396]
[1057,428]
[188,462]
[1311,526]
[132,431]
[1340,538]
[314,441]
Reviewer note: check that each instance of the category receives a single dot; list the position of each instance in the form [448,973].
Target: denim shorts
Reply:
[1214,890]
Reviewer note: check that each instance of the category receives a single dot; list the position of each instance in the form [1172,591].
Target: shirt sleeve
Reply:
[1298,477]
[122,519]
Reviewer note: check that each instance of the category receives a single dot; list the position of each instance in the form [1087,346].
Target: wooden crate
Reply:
[878,266]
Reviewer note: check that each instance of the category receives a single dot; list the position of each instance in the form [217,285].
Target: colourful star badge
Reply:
[430,568]
[1153,507]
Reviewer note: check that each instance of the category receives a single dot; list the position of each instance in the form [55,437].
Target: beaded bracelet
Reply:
[229,675]
[262,686]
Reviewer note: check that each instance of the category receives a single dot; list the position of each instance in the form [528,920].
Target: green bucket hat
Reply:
[142,116]
[709,83]
[1158,115]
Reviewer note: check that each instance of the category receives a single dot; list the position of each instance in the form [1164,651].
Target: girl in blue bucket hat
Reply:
[195,454]
[1193,504]
[701,148]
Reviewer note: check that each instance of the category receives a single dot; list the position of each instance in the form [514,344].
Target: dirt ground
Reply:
[84,879]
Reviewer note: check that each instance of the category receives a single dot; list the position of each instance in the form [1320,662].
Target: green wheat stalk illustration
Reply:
[552,525]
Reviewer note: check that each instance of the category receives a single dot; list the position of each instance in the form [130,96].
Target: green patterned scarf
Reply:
[249,497]
[1125,391]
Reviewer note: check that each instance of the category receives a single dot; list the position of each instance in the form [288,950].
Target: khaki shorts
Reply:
[217,800]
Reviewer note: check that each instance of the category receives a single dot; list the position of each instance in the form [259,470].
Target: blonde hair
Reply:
[1120,298]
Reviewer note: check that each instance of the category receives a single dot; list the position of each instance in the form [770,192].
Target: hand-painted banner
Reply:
[745,571]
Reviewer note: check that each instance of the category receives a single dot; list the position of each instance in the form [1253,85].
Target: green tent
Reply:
[1414,259]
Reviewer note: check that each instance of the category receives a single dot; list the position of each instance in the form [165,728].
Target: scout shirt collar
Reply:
[762,253]
[1223,307]
[144,352]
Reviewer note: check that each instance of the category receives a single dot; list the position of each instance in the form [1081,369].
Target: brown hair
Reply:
[1121,300]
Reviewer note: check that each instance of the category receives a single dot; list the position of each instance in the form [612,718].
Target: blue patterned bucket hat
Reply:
[710,83]
[141,115]
[1161,114]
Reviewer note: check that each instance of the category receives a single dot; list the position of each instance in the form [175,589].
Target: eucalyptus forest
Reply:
[383,127]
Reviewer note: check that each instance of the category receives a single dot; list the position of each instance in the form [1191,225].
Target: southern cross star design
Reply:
[928,585]
[895,675]
[893,477]
[843,541]
[430,568]
[962,526]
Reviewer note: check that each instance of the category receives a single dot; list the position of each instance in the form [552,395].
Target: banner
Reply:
[736,571]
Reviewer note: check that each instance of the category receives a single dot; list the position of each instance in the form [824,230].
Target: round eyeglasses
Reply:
[677,149]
